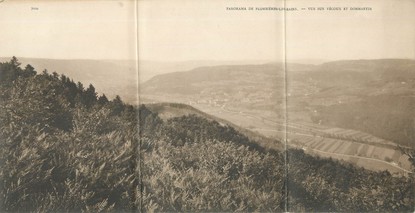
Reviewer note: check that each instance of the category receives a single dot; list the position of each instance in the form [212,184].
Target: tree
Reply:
[29,71]
[64,79]
[90,96]
[80,87]
[55,75]
[45,72]
[14,62]
[102,100]
[117,105]
[7,73]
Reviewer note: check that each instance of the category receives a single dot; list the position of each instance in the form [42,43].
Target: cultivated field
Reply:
[365,155]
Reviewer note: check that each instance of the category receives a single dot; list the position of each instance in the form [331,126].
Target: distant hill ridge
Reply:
[111,156]
[331,91]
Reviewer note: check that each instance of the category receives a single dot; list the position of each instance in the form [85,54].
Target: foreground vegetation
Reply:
[64,148]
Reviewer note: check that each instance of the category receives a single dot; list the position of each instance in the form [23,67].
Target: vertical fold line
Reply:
[285,111]
[137,146]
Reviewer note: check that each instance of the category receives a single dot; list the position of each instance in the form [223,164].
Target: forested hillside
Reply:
[122,73]
[387,116]
[64,148]
[372,96]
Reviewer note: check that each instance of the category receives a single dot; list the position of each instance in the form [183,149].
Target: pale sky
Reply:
[205,30]
[387,31]
[83,29]
[183,30]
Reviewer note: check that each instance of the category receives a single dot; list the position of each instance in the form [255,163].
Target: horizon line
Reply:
[217,60]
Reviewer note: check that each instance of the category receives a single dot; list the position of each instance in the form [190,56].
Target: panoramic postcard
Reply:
[207,106]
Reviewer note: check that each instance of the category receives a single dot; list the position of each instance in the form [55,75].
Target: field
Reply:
[356,147]
[65,149]
[368,156]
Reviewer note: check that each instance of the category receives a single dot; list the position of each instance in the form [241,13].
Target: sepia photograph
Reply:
[207,106]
